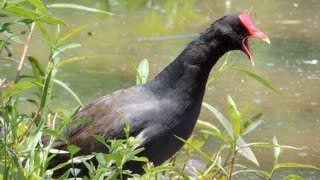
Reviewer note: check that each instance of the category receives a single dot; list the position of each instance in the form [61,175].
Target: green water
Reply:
[290,63]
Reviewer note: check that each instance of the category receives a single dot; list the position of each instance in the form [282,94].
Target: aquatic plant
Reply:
[22,154]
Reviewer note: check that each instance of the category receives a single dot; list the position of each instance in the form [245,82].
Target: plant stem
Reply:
[213,164]
[4,115]
[184,165]
[219,170]
[233,156]
[25,49]
[28,129]
[173,160]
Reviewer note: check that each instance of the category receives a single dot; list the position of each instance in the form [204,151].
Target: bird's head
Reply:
[233,31]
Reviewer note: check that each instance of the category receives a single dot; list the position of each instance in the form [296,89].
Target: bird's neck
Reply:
[189,72]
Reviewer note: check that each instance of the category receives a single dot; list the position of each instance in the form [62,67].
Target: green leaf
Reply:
[74,171]
[258,172]
[67,61]
[57,33]
[70,33]
[79,122]
[222,69]
[75,96]
[45,34]
[14,2]
[80,159]
[143,72]
[206,125]
[234,117]
[36,67]
[132,154]
[196,141]
[22,11]
[102,140]
[140,159]
[269,145]
[246,152]
[47,89]
[101,160]
[77,7]
[13,37]
[39,5]
[293,165]
[76,160]
[58,151]
[293,177]
[215,76]
[65,175]
[277,150]
[73,149]
[54,133]
[73,113]
[61,48]
[256,117]
[206,156]
[256,77]
[251,127]
[219,135]
[164,168]
[17,88]
[224,121]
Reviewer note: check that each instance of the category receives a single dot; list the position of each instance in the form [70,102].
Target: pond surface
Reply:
[290,63]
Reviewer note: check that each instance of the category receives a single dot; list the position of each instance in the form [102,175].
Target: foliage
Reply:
[142,72]
[24,156]
[236,126]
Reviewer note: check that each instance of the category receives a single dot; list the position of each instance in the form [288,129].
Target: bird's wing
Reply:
[108,117]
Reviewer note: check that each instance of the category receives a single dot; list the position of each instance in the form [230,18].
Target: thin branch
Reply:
[233,156]
[224,164]
[23,56]
[25,133]
[173,161]
[184,165]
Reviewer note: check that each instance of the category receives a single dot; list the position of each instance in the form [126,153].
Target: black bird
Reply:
[167,106]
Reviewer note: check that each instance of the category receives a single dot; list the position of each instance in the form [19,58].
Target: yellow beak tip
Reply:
[267,40]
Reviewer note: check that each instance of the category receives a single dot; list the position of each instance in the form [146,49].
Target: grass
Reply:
[23,156]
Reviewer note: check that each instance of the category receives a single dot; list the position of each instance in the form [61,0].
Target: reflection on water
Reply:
[291,63]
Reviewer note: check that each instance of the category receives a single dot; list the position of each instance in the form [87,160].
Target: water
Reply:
[290,63]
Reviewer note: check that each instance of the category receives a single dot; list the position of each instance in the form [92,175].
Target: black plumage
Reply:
[166,107]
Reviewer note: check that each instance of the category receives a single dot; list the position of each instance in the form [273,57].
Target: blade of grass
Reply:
[224,121]
[61,48]
[142,72]
[67,61]
[75,96]
[251,127]
[36,67]
[263,173]
[39,5]
[45,34]
[77,7]
[256,77]
[70,33]
[24,12]
[197,150]
[206,125]
[234,117]
[293,165]
[270,145]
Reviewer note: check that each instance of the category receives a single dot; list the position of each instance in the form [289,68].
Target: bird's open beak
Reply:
[253,32]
